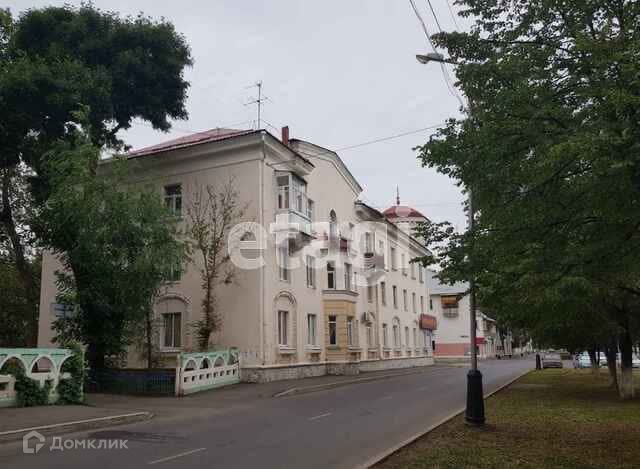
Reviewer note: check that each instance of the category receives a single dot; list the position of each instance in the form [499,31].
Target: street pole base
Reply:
[474,414]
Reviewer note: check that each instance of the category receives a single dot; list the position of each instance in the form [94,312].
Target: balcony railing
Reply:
[298,206]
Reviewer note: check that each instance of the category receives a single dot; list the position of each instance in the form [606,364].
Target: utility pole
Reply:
[258,101]
[474,414]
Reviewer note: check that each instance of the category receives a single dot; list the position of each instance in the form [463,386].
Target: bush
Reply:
[70,389]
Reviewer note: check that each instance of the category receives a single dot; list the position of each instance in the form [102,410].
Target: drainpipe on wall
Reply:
[262,269]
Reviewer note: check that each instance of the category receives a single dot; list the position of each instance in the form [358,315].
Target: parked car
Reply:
[551,360]
[565,355]
[636,361]
[582,360]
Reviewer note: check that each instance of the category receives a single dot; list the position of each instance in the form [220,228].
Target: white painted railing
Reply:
[200,371]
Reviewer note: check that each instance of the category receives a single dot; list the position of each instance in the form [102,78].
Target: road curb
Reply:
[77,425]
[337,384]
[389,452]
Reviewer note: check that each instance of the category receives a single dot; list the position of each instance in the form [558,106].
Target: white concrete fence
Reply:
[199,371]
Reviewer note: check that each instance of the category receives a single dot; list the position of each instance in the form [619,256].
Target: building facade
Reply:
[450,305]
[323,284]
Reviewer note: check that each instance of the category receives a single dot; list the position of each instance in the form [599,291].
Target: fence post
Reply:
[178,374]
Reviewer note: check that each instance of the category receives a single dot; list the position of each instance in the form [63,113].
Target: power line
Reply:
[435,17]
[453,15]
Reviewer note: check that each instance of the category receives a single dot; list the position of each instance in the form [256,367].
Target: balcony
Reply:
[294,211]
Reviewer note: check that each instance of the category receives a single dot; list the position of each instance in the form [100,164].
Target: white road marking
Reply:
[320,416]
[186,453]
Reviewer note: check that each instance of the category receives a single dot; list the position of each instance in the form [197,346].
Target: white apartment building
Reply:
[450,305]
[332,288]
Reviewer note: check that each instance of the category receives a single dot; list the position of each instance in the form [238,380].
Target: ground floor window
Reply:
[172,330]
[351,332]
[385,336]
[370,339]
[283,327]
[311,329]
[333,330]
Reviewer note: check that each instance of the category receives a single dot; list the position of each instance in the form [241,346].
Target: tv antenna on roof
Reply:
[258,101]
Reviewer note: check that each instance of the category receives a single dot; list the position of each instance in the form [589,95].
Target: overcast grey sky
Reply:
[338,72]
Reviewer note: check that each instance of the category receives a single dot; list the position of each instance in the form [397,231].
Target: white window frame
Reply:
[350,331]
[283,328]
[405,302]
[171,316]
[383,293]
[385,335]
[312,330]
[348,274]
[394,292]
[311,271]
[173,202]
[332,322]
[414,303]
[331,274]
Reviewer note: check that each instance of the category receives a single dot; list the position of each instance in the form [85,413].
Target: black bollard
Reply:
[538,362]
[474,414]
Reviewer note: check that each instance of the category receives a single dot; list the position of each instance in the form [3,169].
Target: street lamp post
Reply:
[474,414]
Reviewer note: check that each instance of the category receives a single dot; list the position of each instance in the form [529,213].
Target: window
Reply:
[406,337]
[370,341]
[396,335]
[350,331]
[385,336]
[175,273]
[413,303]
[404,300]
[384,254]
[311,329]
[333,225]
[403,264]
[421,304]
[449,305]
[283,328]
[283,262]
[413,270]
[415,338]
[283,191]
[394,294]
[421,274]
[368,244]
[311,271]
[347,276]
[331,275]
[370,293]
[430,304]
[392,255]
[333,331]
[383,292]
[172,330]
[173,199]
[310,209]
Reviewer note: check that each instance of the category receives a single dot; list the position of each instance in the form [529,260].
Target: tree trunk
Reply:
[95,357]
[17,249]
[611,352]
[595,362]
[149,333]
[626,388]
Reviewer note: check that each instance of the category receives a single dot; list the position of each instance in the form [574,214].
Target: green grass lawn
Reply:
[553,418]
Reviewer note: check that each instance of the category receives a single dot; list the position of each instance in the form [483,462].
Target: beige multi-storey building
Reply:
[328,286]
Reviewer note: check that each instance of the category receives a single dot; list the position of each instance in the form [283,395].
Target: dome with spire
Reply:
[404,217]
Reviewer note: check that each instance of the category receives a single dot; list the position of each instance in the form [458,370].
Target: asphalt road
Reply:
[337,428]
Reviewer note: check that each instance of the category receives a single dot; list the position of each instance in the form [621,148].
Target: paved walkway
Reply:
[29,417]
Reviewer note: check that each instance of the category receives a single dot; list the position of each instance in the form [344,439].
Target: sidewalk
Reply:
[110,409]
[14,422]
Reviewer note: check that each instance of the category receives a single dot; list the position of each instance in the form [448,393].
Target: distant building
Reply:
[450,305]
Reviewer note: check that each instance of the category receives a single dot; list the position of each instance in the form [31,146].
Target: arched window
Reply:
[396,333]
[333,225]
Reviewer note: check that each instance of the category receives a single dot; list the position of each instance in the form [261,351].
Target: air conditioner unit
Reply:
[366,317]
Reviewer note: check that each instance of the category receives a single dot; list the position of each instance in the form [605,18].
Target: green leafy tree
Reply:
[115,242]
[55,60]
[549,150]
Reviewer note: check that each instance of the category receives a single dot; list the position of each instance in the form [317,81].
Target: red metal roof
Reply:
[402,211]
[189,140]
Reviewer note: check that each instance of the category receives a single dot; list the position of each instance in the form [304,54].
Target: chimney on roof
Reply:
[285,135]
